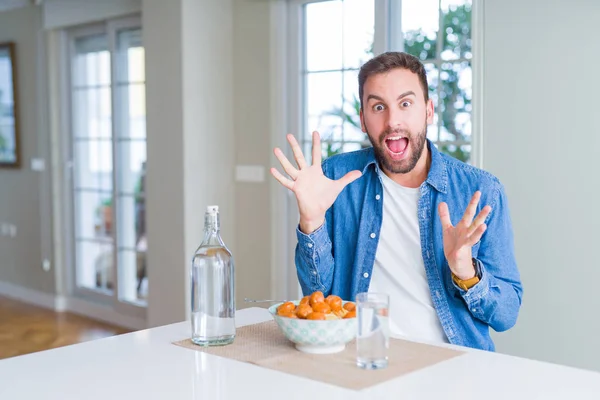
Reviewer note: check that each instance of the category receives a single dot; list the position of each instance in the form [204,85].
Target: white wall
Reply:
[24,197]
[208,119]
[542,139]
[189,97]
[164,182]
[65,13]
[252,124]
[208,99]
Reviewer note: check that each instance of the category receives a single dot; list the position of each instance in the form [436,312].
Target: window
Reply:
[338,39]
[439,33]
[108,152]
[339,35]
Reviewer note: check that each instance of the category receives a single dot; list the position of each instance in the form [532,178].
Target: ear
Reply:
[362,121]
[430,111]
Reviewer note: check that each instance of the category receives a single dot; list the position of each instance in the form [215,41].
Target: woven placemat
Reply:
[264,345]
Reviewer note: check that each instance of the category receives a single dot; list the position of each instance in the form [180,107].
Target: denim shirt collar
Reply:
[437,176]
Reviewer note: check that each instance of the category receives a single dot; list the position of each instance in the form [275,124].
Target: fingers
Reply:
[483,214]
[285,163]
[348,179]
[282,179]
[298,155]
[476,236]
[444,216]
[471,209]
[316,149]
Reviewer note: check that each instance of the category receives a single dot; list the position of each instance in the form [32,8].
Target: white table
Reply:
[145,365]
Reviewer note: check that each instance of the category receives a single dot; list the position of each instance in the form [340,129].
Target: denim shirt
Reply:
[338,257]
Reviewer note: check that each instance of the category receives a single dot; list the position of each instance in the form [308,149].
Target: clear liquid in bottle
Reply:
[213,287]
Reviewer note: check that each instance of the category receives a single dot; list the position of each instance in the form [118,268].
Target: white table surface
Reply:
[146,365]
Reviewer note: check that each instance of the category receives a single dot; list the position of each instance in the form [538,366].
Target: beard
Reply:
[416,144]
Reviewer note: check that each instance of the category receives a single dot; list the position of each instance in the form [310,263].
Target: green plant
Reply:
[331,149]
[352,116]
[137,191]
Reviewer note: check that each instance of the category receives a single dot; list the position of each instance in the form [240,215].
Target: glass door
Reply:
[108,158]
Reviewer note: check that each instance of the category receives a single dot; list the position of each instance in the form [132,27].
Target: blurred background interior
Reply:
[121,120]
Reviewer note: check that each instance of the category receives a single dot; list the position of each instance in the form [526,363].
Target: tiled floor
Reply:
[26,329]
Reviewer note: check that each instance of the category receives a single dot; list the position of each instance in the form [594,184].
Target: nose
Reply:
[395,118]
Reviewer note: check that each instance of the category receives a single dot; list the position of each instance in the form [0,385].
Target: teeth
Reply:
[394,138]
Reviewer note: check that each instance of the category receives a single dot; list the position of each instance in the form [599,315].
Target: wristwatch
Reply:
[468,283]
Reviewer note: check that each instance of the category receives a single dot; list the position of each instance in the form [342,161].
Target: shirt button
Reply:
[366,274]
[309,245]
[377,197]
[372,236]
[314,272]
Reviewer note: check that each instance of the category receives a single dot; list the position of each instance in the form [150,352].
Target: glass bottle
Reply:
[213,287]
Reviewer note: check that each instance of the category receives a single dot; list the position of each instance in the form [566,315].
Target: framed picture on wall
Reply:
[9,122]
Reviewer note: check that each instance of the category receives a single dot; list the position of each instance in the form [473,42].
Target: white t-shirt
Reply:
[399,269]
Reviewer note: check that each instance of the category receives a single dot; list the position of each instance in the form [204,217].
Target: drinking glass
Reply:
[373,336]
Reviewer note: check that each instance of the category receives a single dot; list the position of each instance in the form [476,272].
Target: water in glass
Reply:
[212,280]
[372,341]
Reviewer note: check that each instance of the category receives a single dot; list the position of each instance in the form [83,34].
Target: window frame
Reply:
[296,61]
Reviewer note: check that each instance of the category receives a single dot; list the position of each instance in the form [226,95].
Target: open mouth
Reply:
[396,145]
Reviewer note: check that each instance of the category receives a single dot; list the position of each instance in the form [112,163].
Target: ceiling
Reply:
[6,5]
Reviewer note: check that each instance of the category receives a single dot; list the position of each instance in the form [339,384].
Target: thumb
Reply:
[348,179]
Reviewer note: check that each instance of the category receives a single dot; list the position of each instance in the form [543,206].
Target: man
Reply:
[402,218]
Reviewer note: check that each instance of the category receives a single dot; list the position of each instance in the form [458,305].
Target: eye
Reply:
[378,107]
[405,103]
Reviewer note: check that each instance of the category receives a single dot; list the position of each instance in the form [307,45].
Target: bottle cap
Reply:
[212,209]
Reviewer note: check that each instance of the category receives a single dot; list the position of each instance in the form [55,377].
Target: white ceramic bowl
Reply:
[316,337]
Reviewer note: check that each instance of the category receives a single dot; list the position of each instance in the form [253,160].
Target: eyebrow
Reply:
[374,96]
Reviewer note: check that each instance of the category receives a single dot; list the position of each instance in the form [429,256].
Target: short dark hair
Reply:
[388,61]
